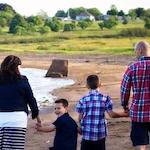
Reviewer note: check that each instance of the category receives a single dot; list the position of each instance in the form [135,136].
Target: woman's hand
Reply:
[38,121]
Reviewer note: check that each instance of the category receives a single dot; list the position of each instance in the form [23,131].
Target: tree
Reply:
[139,12]
[17,21]
[132,14]
[121,13]
[54,24]
[7,8]
[147,23]
[101,25]
[95,12]
[111,22]
[35,20]
[73,12]
[6,14]
[3,22]
[69,27]
[44,29]
[113,11]
[60,13]
[146,14]
[19,30]
[83,24]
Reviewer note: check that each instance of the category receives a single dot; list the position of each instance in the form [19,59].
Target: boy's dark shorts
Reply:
[93,145]
[140,133]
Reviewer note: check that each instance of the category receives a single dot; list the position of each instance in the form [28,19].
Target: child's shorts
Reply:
[140,133]
[93,145]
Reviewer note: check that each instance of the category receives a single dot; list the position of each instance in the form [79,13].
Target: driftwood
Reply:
[58,69]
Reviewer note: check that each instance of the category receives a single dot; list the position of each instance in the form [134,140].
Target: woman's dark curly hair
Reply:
[8,69]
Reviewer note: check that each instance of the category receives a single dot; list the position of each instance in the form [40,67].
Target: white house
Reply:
[85,15]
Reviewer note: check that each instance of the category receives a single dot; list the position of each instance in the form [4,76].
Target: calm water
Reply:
[41,86]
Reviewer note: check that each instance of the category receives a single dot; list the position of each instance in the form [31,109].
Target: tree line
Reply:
[41,23]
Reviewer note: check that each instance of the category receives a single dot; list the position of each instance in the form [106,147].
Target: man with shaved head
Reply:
[137,77]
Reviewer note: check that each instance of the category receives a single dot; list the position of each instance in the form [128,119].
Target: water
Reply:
[42,87]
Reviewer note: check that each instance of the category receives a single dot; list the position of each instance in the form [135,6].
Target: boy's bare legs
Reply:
[142,147]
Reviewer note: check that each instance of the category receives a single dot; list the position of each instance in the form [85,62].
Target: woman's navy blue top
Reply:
[16,96]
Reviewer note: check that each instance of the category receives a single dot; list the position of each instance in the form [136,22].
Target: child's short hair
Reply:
[62,101]
[92,81]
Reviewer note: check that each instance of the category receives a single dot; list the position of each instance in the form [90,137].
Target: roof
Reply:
[85,14]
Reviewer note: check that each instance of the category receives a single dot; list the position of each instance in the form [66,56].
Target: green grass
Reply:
[89,41]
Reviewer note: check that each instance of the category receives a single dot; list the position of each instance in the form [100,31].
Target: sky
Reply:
[32,7]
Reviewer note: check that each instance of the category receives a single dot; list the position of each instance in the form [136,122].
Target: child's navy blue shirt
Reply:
[66,133]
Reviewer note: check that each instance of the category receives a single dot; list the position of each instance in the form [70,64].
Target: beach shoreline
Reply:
[110,71]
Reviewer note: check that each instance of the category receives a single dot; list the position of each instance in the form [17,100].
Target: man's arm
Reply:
[113,114]
[46,128]
[125,89]
[80,116]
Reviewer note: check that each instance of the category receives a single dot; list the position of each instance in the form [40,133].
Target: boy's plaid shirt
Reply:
[93,107]
[137,76]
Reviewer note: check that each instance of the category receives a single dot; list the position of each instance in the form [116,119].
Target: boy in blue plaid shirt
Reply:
[91,109]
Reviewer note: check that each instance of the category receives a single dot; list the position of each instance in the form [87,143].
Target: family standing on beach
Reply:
[16,95]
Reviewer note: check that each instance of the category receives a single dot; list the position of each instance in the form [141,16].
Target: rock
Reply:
[58,69]
[55,75]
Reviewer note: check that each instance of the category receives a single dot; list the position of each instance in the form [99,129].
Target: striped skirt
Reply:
[12,138]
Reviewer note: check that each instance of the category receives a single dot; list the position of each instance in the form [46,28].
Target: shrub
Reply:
[147,24]
[101,25]
[110,23]
[69,27]
[125,20]
[19,30]
[44,29]
[42,48]
[54,24]
[135,32]
[83,24]
[17,21]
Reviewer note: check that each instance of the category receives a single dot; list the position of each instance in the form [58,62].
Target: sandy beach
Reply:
[109,69]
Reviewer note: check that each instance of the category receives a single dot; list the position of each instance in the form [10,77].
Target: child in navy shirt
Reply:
[65,126]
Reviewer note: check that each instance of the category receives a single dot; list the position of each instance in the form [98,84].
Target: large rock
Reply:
[58,69]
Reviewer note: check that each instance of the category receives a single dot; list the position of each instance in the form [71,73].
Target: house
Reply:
[105,17]
[85,15]
[65,19]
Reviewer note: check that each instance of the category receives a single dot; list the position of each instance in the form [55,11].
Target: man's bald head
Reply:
[142,48]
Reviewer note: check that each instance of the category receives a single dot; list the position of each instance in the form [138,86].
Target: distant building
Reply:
[85,15]
[65,18]
[121,18]
[105,17]
[68,18]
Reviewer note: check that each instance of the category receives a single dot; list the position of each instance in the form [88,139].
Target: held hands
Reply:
[38,121]
[38,124]
[126,112]
[38,127]
[79,130]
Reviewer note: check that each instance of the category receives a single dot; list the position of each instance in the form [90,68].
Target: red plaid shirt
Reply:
[137,76]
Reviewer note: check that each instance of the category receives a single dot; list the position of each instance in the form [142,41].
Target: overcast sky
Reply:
[32,7]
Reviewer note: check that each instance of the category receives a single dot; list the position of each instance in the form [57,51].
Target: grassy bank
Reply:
[89,41]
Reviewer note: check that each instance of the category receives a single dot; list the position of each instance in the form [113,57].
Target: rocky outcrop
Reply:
[58,69]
